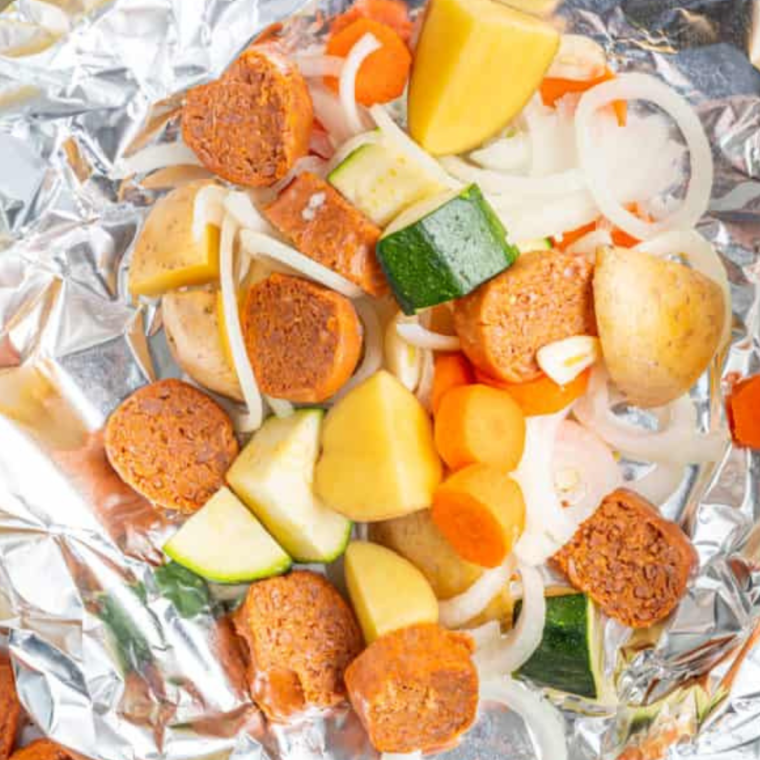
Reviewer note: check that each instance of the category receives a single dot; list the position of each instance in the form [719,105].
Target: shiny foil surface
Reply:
[119,658]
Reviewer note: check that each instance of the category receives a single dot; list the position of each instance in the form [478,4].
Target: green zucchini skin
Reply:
[564,660]
[447,253]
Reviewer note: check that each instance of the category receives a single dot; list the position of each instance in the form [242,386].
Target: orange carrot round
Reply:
[542,396]
[481,511]
[382,76]
[392,13]
[477,423]
[451,371]
[744,412]
[554,89]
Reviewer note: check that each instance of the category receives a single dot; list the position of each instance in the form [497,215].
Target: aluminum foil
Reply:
[119,658]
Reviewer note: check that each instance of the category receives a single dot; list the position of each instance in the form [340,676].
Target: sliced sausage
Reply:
[300,636]
[44,749]
[415,689]
[303,340]
[542,298]
[630,560]
[251,126]
[328,229]
[10,708]
[172,443]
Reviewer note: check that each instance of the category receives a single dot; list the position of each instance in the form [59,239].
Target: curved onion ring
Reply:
[280,406]
[543,720]
[455,612]
[648,88]
[359,53]
[208,208]
[420,337]
[373,347]
[317,66]
[508,653]
[702,256]
[679,443]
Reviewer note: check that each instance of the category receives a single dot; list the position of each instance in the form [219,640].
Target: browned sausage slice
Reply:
[44,749]
[303,340]
[544,297]
[252,125]
[328,229]
[630,560]
[415,689]
[10,708]
[172,443]
[300,635]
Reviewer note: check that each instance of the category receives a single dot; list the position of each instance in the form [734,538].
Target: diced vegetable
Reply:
[274,474]
[454,104]
[569,658]
[554,89]
[542,396]
[565,359]
[223,542]
[378,457]
[744,412]
[451,371]
[444,248]
[478,423]
[382,76]
[481,512]
[387,591]
[382,182]
[403,360]
[168,255]
[392,13]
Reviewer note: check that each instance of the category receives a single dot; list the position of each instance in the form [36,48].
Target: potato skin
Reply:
[192,331]
[659,321]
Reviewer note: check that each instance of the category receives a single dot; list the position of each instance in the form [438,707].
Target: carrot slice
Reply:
[477,423]
[451,371]
[383,74]
[481,511]
[744,412]
[542,396]
[392,13]
[554,89]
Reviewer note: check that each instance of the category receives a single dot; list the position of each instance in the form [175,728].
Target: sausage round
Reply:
[300,635]
[10,708]
[415,689]
[172,443]
[45,749]
[303,339]
[542,298]
[630,560]
[253,124]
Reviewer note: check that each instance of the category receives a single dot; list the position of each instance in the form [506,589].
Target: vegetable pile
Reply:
[428,326]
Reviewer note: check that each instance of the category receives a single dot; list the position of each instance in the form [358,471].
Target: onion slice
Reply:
[420,337]
[241,362]
[544,721]
[588,244]
[702,256]
[316,66]
[329,112]
[373,347]
[508,653]
[579,58]
[648,88]
[505,154]
[359,53]
[280,406]
[155,157]
[424,392]
[455,612]
[404,144]
[240,207]
[258,244]
[314,164]
[680,442]
[208,209]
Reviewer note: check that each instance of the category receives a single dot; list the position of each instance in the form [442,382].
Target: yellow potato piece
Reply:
[476,65]
[387,591]
[167,255]
[378,457]
[659,322]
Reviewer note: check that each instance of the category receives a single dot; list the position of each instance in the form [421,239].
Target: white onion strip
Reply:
[424,392]
[562,183]
[364,48]
[680,442]
[652,90]
[373,347]
[241,362]
[280,406]
[702,256]
[155,157]
[330,113]
[544,721]
[314,164]
[315,66]
[258,244]
[579,58]
[588,244]
[420,337]
[208,208]
[404,144]
[508,653]
[455,612]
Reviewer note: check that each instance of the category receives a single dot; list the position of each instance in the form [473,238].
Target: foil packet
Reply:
[119,657]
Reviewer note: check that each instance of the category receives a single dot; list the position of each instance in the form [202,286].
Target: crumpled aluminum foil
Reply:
[120,659]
